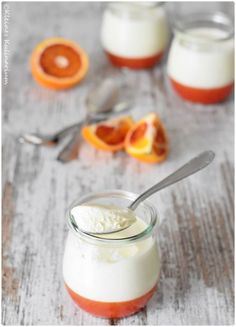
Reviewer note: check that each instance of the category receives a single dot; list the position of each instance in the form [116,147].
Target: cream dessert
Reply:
[112,279]
[200,66]
[134,35]
[98,219]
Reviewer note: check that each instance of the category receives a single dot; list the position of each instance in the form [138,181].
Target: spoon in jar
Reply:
[124,218]
[101,102]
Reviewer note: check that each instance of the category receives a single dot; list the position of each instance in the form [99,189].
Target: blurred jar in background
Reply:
[201,58]
[134,35]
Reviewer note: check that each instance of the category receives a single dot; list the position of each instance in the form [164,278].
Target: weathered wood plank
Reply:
[196,236]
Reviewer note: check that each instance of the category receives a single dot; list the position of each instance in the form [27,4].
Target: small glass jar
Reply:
[112,276]
[135,34]
[201,59]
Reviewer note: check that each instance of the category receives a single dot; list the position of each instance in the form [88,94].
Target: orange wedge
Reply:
[108,135]
[58,63]
[147,140]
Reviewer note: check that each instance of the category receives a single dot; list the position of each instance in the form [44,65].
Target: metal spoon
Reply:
[105,97]
[101,102]
[191,167]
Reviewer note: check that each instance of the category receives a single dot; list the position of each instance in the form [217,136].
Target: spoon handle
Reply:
[191,167]
[69,129]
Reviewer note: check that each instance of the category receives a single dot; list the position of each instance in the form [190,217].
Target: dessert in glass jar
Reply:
[134,34]
[113,275]
[201,59]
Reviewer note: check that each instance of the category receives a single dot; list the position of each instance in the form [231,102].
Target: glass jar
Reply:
[134,34]
[201,59]
[113,275]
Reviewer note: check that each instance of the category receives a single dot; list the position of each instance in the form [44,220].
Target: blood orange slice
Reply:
[108,135]
[147,140]
[58,63]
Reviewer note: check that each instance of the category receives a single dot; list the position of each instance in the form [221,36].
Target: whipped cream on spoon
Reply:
[104,219]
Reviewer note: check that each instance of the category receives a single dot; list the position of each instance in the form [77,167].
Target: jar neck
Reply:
[150,211]
[110,241]
[134,10]
[204,30]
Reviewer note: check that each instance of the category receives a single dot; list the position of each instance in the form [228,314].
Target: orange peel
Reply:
[108,135]
[58,63]
[147,140]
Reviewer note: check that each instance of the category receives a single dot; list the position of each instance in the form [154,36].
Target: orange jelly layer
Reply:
[111,309]
[205,96]
[134,63]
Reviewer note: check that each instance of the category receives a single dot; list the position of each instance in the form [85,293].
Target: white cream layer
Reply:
[209,68]
[111,273]
[135,37]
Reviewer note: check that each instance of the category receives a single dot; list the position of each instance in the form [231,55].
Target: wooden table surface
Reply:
[196,235]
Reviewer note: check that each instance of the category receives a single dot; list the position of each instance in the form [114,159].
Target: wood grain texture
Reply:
[196,236]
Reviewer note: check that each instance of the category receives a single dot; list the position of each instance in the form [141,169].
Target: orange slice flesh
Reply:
[147,140]
[108,135]
[58,63]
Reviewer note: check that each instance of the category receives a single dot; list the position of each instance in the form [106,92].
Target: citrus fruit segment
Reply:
[108,135]
[147,140]
[58,63]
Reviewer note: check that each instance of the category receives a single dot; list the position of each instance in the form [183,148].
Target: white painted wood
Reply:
[196,235]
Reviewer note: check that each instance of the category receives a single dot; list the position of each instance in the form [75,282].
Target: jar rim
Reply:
[115,194]
[139,4]
[136,9]
[217,20]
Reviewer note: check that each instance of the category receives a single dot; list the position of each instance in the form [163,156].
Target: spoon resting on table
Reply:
[113,220]
[101,102]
